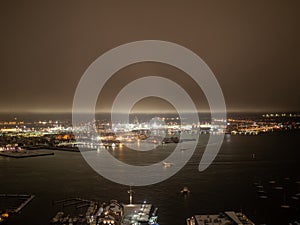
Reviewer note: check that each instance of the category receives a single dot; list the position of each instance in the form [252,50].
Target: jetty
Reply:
[15,202]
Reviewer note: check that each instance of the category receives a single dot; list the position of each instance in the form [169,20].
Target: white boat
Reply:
[185,190]
[166,164]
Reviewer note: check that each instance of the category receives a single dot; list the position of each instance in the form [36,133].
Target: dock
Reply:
[25,153]
[24,204]
[71,201]
[15,202]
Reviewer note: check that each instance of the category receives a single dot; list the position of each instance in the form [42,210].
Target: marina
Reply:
[86,212]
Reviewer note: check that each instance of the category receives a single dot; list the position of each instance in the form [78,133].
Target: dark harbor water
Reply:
[226,185]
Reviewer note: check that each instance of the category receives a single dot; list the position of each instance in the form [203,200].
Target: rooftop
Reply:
[225,218]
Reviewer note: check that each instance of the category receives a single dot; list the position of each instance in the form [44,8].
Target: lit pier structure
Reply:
[111,213]
[139,214]
[143,214]
[229,217]
[130,192]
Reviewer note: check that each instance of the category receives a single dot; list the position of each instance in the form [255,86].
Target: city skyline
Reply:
[149,112]
[252,48]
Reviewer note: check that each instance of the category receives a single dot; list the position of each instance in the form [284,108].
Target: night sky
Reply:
[251,46]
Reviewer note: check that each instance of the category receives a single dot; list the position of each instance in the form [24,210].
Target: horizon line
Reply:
[151,112]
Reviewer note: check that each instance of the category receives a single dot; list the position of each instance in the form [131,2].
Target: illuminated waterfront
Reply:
[226,185]
[16,134]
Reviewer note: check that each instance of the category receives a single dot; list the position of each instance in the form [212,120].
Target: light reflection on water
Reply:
[226,185]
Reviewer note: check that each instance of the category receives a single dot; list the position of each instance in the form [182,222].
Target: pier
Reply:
[18,201]
[25,153]
[24,204]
